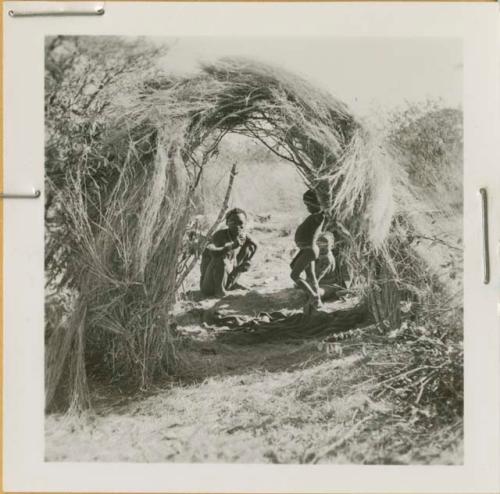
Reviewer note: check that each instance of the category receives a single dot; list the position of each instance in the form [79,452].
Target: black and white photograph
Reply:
[254,250]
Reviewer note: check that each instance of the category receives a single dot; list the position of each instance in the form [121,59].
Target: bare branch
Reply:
[211,230]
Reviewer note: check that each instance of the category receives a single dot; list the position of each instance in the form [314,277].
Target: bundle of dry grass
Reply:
[128,200]
[125,238]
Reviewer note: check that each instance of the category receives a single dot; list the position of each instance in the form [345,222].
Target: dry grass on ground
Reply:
[274,402]
[319,414]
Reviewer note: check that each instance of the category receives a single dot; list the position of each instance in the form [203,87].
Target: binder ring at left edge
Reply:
[8,195]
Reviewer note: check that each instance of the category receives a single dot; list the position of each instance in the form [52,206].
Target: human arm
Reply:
[222,248]
[307,233]
[320,221]
[327,267]
[251,243]
[246,253]
[311,276]
[221,243]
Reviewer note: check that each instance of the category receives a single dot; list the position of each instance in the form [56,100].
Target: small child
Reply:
[325,265]
[226,256]
[306,239]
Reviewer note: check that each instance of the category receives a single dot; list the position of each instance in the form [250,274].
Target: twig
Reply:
[438,240]
[403,374]
[422,386]
[211,230]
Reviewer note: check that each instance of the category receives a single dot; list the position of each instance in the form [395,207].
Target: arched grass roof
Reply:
[299,122]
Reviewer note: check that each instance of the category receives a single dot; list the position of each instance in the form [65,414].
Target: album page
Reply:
[264,252]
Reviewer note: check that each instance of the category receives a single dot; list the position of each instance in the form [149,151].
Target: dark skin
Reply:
[236,225]
[306,262]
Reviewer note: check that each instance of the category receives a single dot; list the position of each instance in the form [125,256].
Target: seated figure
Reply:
[226,256]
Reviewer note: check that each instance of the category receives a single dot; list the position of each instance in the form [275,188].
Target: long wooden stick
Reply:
[212,229]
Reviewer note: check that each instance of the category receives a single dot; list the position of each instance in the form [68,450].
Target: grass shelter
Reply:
[123,209]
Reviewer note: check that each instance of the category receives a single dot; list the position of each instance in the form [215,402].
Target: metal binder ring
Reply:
[486,249]
[61,12]
[9,195]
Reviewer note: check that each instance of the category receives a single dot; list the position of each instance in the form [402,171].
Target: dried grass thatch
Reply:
[127,203]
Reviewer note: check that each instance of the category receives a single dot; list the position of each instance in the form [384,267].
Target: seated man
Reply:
[226,256]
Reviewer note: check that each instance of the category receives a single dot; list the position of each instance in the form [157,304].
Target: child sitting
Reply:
[306,239]
[226,256]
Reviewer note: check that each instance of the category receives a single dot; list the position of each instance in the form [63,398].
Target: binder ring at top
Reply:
[61,9]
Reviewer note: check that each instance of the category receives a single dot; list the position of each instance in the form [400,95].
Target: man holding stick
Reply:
[226,256]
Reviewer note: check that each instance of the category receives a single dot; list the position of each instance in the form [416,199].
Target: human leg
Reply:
[222,268]
[243,259]
[206,276]
[215,277]
[313,282]
[303,262]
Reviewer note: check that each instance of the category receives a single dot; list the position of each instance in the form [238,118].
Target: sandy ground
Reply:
[274,402]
